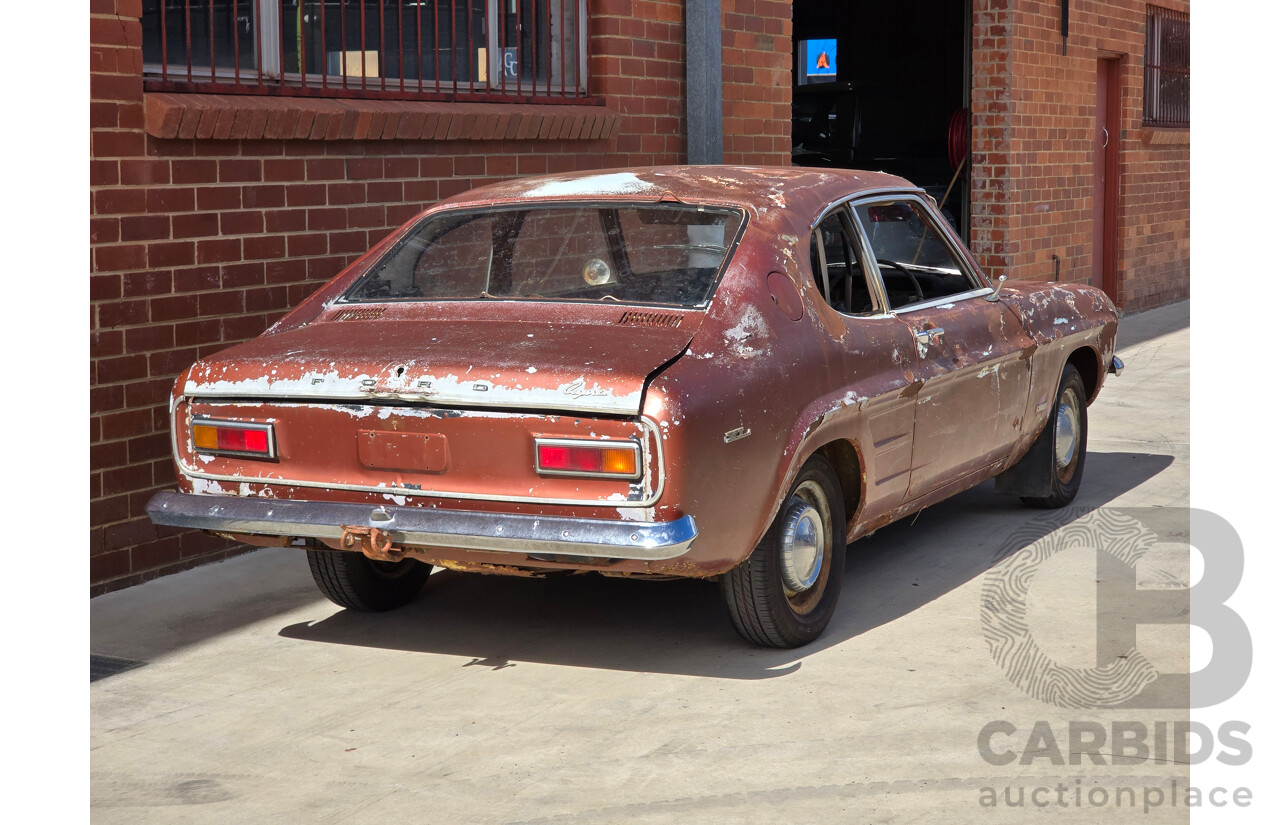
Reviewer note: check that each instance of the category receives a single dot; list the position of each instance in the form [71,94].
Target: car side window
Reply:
[836,268]
[916,264]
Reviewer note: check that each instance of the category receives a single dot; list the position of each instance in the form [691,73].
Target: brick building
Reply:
[244,152]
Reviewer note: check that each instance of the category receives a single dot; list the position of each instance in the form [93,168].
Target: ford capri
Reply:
[717,372]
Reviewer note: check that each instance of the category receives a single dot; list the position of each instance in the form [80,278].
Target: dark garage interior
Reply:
[883,86]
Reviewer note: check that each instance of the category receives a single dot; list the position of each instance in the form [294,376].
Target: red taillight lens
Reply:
[233,437]
[612,459]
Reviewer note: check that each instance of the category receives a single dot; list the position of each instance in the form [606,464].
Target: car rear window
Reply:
[644,254]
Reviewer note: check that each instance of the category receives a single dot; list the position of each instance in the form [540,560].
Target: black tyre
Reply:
[785,593]
[350,579]
[1067,436]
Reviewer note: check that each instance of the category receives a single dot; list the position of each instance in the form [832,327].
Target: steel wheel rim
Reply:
[1066,435]
[806,546]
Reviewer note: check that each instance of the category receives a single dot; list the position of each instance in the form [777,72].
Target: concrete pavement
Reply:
[591,700]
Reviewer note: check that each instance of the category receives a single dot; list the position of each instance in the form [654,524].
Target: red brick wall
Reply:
[756,50]
[1033,149]
[198,244]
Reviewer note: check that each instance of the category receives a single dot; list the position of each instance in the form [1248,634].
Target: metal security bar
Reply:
[488,50]
[1166,97]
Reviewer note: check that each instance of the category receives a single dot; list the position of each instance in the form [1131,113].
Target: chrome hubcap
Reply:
[1065,435]
[803,543]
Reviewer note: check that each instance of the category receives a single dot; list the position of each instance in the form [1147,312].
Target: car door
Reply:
[876,361]
[971,353]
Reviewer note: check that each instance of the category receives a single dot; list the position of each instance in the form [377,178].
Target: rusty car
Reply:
[716,372]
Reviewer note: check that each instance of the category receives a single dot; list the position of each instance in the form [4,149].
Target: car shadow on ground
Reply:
[1144,326]
[682,627]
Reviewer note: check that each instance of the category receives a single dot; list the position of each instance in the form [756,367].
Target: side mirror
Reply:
[995,296]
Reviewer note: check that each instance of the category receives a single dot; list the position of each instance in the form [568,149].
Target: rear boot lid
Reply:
[588,367]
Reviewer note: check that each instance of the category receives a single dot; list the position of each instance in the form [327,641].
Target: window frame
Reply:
[859,250]
[1154,69]
[269,77]
[979,285]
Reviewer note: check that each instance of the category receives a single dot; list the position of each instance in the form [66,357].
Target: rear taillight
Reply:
[233,438]
[607,459]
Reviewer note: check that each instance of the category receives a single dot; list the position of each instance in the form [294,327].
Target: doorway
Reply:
[878,86]
[1106,177]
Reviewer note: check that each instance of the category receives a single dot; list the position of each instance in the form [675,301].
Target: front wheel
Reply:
[785,593]
[1067,434]
[350,579]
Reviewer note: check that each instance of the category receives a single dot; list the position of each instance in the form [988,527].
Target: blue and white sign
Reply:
[820,58]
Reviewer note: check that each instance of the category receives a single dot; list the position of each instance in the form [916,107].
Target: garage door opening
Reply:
[878,86]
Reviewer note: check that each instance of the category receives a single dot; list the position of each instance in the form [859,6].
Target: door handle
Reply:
[928,336]
[1106,137]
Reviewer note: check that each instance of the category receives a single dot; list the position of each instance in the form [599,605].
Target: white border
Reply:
[1232,416]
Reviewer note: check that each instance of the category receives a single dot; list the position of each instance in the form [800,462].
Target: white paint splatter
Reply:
[617,183]
[204,485]
[751,328]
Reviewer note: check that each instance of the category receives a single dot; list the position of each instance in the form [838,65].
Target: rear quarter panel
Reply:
[757,393]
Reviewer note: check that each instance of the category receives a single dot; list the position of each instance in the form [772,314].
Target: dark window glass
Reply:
[525,48]
[386,42]
[190,29]
[537,39]
[836,270]
[1167,77]
[915,263]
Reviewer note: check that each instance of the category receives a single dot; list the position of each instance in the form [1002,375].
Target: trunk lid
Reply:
[592,366]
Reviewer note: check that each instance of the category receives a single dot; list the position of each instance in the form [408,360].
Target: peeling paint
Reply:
[618,183]
[751,328]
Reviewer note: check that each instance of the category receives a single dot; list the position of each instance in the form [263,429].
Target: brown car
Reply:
[712,372]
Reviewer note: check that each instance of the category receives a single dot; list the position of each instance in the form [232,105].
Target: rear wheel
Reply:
[352,580]
[1067,433]
[785,593]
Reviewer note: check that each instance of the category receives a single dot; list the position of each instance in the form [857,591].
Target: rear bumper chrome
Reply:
[1117,366]
[450,529]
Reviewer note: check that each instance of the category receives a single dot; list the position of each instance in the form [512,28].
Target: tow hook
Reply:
[374,543]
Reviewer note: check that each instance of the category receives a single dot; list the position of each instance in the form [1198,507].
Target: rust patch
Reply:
[256,541]
[494,569]
[374,543]
[911,390]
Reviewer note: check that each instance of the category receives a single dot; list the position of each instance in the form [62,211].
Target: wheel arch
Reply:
[845,457]
[1088,363]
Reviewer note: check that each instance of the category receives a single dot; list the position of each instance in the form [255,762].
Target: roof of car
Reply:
[750,186]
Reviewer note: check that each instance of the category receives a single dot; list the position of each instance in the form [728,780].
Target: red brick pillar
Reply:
[991,106]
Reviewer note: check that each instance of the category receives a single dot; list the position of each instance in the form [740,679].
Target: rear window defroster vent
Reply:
[651,319]
[359,314]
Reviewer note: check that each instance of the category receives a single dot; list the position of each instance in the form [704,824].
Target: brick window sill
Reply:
[1156,136]
[243,117]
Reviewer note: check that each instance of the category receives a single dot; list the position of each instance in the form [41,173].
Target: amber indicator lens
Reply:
[230,437]
[589,459]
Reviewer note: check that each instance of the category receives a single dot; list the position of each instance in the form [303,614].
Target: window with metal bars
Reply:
[1166,97]
[527,50]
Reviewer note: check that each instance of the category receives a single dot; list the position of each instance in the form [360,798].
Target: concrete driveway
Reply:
[591,700]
